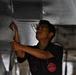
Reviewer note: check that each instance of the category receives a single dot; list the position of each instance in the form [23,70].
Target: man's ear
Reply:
[51,34]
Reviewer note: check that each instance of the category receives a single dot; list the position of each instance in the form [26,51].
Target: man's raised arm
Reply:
[16,38]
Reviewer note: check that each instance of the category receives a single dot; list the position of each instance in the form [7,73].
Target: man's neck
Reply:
[43,44]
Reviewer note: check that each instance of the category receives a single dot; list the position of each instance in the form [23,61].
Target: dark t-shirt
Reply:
[51,66]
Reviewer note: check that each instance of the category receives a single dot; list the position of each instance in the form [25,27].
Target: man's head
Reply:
[47,26]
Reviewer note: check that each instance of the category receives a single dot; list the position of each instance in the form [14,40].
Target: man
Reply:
[45,58]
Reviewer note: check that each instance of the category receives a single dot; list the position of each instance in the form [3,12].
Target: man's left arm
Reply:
[32,51]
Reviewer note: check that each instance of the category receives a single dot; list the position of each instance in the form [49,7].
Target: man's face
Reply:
[42,32]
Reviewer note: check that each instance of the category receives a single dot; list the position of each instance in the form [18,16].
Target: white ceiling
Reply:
[56,11]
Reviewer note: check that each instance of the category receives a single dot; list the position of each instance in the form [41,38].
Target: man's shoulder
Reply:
[57,45]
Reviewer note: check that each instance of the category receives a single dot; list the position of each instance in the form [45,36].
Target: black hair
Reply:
[50,26]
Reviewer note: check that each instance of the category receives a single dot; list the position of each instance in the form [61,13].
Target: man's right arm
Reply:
[13,26]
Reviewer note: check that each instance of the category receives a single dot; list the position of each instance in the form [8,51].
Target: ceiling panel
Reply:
[31,10]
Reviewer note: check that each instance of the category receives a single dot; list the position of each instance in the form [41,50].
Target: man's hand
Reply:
[13,26]
[16,46]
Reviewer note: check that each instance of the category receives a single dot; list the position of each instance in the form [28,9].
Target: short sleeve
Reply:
[20,60]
